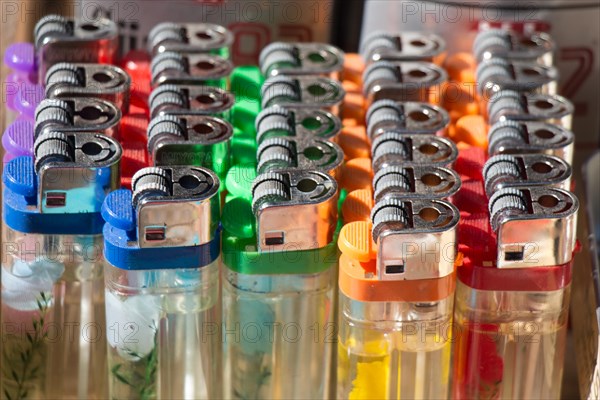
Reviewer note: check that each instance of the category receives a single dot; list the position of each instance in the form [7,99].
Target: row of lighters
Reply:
[307,228]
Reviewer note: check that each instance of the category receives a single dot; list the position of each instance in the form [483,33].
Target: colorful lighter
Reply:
[396,284]
[278,288]
[279,242]
[513,289]
[511,313]
[162,246]
[52,267]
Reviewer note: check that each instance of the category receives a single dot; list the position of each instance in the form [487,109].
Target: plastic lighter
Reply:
[278,287]
[52,267]
[396,285]
[511,312]
[162,246]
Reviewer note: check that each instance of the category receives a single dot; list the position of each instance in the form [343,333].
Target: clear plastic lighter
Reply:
[52,267]
[278,290]
[162,244]
[511,313]
[396,300]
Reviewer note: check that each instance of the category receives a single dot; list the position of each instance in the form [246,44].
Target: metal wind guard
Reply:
[405,46]
[403,81]
[535,227]
[58,39]
[537,47]
[526,170]
[416,239]
[415,182]
[407,117]
[277,121]
[294,59]
[108,82]
[175,206]
[308,92]
[303,154]
[190,99]
[294,209]
[522,137]
[516,106]
[394,148]
[190,38]
[190,69]
[79,114]
[78,180]
[498,74]
[190,140]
